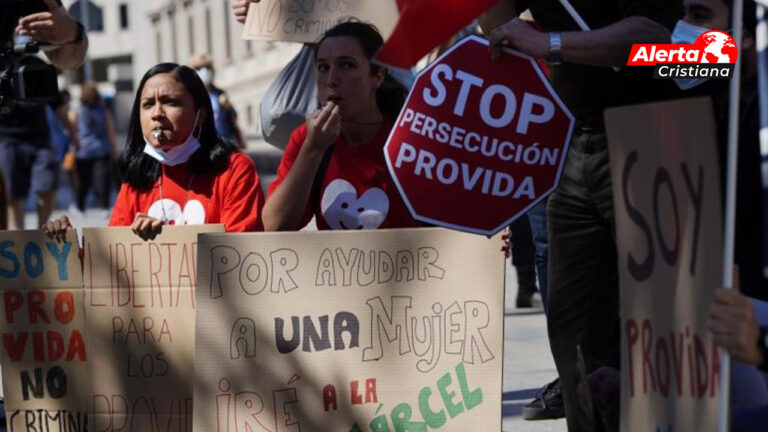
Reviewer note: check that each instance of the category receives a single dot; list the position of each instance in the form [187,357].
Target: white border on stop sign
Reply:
[563,156]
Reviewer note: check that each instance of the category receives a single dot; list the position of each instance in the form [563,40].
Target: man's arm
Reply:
[56,27]
[69,56]
[497,15]
[607,46]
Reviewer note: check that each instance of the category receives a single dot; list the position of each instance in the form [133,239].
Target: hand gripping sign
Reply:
[478,142]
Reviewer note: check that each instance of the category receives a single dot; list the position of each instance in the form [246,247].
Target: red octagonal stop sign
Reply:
[478,142]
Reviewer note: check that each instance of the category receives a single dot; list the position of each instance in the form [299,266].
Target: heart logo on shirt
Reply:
[342,209]
[193,213]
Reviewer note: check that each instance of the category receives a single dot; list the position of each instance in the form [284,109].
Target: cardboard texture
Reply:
[141,321]
[44,354]
[666,188]
[301,21]
[349,331]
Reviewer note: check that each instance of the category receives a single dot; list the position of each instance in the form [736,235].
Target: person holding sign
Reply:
[733,321]
[334,167]
[175,168]
[583,295]
[240,9]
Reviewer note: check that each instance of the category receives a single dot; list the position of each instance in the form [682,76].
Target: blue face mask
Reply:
[687,33]
[177,154]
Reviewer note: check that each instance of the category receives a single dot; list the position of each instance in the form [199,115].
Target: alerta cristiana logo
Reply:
[712,55]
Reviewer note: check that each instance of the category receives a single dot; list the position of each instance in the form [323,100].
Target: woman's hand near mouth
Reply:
[323,127]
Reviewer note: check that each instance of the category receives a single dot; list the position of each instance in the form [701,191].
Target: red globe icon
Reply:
[717,47]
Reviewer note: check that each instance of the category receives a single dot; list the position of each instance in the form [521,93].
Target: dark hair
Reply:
[391,94]
[89,94]
[142,171]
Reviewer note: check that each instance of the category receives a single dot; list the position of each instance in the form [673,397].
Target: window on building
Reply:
[191,34]
[249,115]
[174,38]
[123,16]
[227,35]
[94,21]
[208,43]
[159,45]
[155,18]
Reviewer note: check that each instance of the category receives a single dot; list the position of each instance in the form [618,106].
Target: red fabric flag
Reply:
[425,24]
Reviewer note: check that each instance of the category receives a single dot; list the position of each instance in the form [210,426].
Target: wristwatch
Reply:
[555,48]
[80,34]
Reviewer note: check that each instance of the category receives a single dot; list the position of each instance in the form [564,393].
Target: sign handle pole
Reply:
[575,15]
[723,418]
[579,20]
[761,37]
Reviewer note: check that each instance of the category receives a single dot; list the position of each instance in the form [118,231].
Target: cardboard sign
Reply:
[44,352]
[349,331]
[140,297]
[307,20]
[478,142]
[666,188]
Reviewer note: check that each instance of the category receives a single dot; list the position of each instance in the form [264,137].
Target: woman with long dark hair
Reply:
[175,169]
[333,167]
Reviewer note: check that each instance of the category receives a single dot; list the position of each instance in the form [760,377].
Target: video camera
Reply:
[24,78]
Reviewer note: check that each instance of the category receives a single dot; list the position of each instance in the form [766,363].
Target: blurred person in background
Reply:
[60,126]
[63,132]
[224,113]
[98,147]
[523,256]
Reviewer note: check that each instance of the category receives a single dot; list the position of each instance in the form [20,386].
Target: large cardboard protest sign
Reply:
[349,331]
[44,352]
[307,20]
[478,142]
[669,229]
[140,297]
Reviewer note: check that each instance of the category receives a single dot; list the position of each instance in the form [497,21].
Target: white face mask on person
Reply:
[687,33]
[206,75]
[177,154]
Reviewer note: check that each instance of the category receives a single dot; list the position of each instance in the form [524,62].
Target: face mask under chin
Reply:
[177,154]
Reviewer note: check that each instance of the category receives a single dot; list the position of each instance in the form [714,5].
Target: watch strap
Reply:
[555,48]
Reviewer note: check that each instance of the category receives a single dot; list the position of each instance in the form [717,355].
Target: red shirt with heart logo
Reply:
[357,191]
[233,197]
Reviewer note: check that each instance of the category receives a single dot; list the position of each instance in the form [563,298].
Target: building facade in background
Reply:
[127,37]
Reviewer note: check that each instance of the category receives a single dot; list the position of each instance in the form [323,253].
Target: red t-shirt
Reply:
[357,191]
[233,197]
